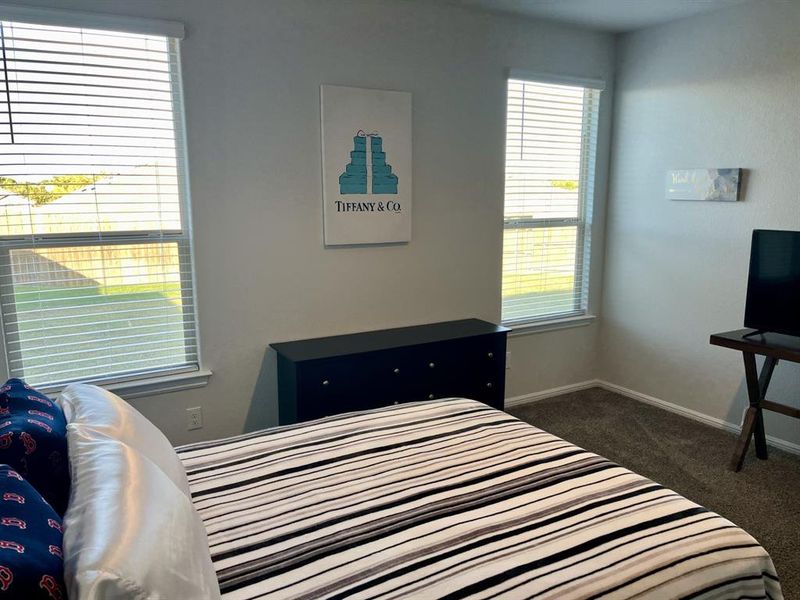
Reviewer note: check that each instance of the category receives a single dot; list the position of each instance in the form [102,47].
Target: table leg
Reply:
[744,439]
[757,385]
[759,436]
[763,383]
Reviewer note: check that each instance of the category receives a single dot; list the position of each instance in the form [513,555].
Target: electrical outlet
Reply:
[194,418]
[508,361]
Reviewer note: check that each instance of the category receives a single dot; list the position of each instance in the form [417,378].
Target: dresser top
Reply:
[369,341]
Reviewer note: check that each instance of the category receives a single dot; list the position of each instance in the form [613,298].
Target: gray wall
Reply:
[252,70]
[719,90]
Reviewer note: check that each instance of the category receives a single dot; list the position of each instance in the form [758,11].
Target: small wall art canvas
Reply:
[716,185]
[366,165]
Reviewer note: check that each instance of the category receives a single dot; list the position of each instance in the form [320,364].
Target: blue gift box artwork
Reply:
[355,178]
[367,178]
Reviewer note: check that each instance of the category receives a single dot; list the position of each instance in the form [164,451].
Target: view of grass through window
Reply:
[542,272]
[79,310]
[95,265]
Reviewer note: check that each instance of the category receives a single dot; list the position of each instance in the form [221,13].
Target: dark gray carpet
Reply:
[690,458]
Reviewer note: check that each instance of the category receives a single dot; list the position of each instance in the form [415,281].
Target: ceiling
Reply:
[607,15]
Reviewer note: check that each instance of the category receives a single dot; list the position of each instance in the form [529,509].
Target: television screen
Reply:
[773,287]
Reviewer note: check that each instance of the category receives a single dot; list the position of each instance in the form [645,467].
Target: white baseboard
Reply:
[557,391]
[675,408]
[694,415]
[633,394]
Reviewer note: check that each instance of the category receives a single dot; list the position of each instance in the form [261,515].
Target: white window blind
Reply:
[551,135]
[95,244]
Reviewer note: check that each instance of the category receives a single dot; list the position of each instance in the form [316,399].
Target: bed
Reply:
[453,499]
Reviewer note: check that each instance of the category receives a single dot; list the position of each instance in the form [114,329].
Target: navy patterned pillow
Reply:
[31,559]
[33,440]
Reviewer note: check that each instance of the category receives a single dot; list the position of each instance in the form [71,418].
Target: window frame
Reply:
[150,381]
[580,315]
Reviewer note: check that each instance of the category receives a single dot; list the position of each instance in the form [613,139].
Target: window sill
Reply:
[151,386]
[552,325]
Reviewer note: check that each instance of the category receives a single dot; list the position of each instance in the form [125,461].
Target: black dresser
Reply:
[326,376]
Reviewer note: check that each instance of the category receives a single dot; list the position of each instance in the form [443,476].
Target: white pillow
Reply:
[102,411]
[129,533]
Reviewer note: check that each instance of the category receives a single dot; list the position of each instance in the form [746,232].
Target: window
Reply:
[551,134]
[95,237]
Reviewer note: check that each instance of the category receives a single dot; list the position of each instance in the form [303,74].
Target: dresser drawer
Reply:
[331,386]
[451,368]
[488,375]
[478,370]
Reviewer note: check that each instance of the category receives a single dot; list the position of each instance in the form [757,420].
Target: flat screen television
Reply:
[773,286]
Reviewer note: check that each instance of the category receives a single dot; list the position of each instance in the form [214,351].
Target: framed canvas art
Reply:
[366,165]
[713,185]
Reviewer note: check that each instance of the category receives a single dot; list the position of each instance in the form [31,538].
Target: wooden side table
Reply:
[774,347]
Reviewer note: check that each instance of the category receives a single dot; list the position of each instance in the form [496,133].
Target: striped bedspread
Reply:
[452,499]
